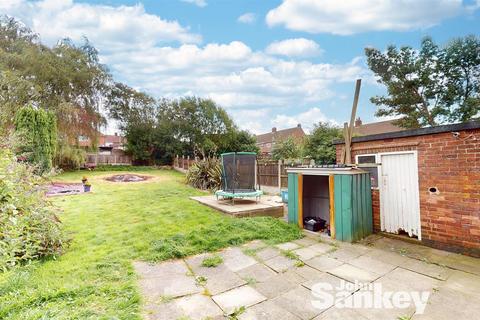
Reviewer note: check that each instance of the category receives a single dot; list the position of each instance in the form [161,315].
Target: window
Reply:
[368,162]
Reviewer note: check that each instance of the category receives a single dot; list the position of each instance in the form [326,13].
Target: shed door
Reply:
[399,194]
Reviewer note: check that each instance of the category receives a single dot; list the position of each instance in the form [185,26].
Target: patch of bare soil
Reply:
[127,178]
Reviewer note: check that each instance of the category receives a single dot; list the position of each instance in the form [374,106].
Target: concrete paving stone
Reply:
[219,279]
[370,312]
[321,248]
[148,270]
[168,279]
[298,301]
[462,263]
[390,257]
[305,253]
[345,254]
[447,304]
[235,260]
[254,245]
[333,281]
[307,272]
[288,246]
[372,265]
[239,297]
[267,310]
[275,286]
[323,263]
[293,277]
[306,241]
[340,314]
[382,313]
[464,282]
[162,311]
[428,269]
[198,306]
[169,286]
[195,262]
[259,272]
[351,273]
[280,263]
[411,280]
[267,253]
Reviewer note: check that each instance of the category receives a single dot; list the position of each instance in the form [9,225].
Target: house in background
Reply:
[367,129]
[266,141]
[110,150]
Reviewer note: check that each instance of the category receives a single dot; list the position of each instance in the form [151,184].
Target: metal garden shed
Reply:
[341,196]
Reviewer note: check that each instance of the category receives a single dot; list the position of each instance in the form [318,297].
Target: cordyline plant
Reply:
[29,228]
[205,174]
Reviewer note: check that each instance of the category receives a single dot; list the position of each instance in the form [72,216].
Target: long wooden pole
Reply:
[348,133]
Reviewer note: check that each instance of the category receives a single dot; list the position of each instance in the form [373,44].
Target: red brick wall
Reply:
[450,219]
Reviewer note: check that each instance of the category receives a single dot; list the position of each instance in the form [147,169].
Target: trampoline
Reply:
[238,176]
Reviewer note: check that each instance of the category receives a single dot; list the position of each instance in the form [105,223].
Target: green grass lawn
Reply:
[114,225]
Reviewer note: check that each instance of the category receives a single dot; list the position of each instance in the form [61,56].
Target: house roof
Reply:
[375,127]
[278,135]
[470,125]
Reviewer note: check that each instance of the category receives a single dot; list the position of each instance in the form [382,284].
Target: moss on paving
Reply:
[111,227]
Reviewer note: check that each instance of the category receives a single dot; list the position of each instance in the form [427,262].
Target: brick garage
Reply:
[448,179]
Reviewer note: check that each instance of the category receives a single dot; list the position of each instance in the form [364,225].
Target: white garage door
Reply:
[399,194]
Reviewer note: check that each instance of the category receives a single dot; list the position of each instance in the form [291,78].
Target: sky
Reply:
[269,63]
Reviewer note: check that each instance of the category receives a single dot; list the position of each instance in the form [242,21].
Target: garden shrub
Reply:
[70,158]
[205,174]
[29,228]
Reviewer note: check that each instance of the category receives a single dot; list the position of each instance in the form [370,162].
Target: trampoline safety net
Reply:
[238,172]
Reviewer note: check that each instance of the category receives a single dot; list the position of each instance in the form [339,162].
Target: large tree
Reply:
[428,86]
[66,79]
[319,145]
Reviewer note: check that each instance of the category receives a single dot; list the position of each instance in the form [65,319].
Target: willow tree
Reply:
[66,79]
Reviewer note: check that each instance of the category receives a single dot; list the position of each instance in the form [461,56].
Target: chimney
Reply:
[358,122]
[274,129]
[299,125]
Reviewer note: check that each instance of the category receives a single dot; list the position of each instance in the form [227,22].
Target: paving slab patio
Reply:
[233,300]
[269,285]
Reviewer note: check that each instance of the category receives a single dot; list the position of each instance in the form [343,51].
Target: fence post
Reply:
[280,176]
[183,162]
[188,162]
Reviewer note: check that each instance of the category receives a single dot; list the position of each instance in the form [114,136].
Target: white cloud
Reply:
[198,3]
[109,28]
[248,18]
[353,16]
[161,58]
[307,119]
[299,47]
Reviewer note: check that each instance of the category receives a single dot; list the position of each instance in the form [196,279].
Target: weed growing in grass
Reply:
[201,280]
[250,252]
[236,313]
[299,264]
[290,254]
[212,261]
